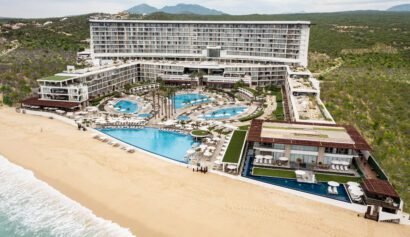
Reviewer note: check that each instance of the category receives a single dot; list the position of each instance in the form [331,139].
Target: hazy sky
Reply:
[47,8]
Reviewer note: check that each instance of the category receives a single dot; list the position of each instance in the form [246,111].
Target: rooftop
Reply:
[308,134]
[55,78]
[379,187]
[203,22]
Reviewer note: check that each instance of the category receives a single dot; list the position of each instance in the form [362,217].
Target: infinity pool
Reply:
[172,145]
[185,100]
[319,188]
[225,112]
[126,106]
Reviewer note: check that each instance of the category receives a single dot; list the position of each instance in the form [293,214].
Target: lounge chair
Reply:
[333,167]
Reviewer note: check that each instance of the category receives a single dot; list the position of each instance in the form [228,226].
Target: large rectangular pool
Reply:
[168,144]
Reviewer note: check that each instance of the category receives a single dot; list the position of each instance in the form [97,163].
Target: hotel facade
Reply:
[209,53]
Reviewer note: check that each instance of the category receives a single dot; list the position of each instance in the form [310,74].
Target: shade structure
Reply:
[344,163]
[216,139]
[351,183]
[283,158]
[207,154]
[268,157]
[357,192]
[333,184]
[203,146]
[259,156]
[335,162]
[190,151]
[354,188]
[212,148]
[218,162]
[300,172]
[231,167]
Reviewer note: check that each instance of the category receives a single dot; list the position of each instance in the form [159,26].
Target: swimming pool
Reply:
[126,106]
[185,100]
[225,113]
[183,118]
[144,115]
[168,144]
[319,188]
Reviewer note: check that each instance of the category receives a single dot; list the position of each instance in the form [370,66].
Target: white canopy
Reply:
[216,139]
[351,183]
[354,188]
[283,158]
[300,172]
[218,162]
[203,146]
[190,151]
[335,162]
[333,184]
[267,157]
[231,167]
[357,192]
[207,153]
[259,156]
[344,163]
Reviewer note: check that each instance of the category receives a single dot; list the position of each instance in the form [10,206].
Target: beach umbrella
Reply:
[354,188]
[351,183]
[283,158]
[357,192]
[190,151]
[268,157]
[344,163]
[335,162]
[218,162]
[300,172]
[231,167]
[333,184]
[208,154]
[216,139]
[259,156]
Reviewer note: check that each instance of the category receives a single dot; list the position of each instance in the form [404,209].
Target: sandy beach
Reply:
[157,198]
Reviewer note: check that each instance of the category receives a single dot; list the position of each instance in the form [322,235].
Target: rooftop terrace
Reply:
[55,78]
[305,132]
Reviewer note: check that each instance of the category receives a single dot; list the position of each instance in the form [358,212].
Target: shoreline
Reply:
[156,198]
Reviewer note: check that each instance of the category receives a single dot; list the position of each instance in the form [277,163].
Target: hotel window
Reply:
[279,146]
[307,159]
[304,148]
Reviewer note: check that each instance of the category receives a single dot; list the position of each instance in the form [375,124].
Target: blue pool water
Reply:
[319,188]
[144,115]
[183,118]
[172,145]
[126,106]
[185,100]
[225,112]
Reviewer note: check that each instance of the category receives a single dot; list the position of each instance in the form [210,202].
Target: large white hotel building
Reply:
[258,53]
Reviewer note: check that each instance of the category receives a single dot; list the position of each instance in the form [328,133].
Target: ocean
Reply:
[30,207]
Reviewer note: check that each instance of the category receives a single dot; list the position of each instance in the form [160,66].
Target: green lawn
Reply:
[55,78]
[245,127]
[233,153]
[337,178]
[200,133]
[290,174]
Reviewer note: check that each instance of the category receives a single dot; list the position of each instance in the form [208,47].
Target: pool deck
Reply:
[352,207]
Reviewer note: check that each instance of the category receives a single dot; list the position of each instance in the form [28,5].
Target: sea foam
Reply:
[30,207]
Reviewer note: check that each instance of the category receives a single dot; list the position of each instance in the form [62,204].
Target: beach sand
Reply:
[157,198]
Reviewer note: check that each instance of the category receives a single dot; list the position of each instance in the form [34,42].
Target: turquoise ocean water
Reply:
[30,207]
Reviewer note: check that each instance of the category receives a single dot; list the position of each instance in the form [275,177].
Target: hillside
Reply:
[370,89]
[400,8]
[180,8]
